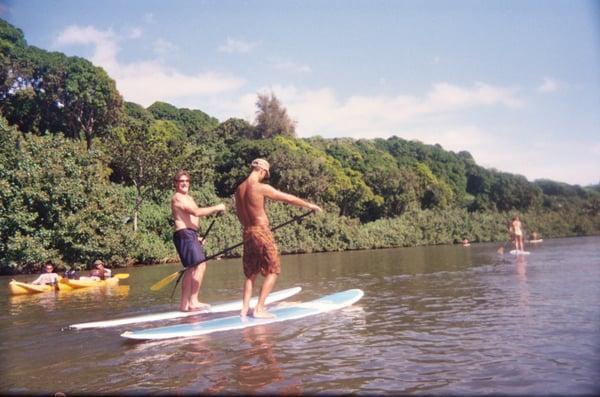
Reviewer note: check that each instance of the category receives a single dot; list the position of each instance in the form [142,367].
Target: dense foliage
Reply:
[84,175]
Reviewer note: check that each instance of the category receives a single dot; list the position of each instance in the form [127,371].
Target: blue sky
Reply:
[515,83]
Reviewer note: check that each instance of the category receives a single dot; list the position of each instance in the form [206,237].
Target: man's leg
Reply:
[521,242]
[248,285]
[186,290]
[267,287]
[196,282]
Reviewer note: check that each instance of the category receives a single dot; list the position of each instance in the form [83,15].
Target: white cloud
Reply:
[104,42]
[163,47]
[145,82]
[135,33]
[448,95]
[291,67]
[549,85]
[237,46]
[320,111]
[567,161]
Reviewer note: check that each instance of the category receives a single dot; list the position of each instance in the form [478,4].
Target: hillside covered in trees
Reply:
[85,175]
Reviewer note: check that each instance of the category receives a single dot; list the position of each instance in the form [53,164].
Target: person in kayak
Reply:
[260,251]
[48,277]
[186,215]
[99,272]
[106,272]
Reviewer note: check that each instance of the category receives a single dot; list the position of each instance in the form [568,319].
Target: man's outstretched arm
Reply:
[276,195]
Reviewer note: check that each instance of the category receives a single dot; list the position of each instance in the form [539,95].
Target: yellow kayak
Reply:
[65,284]
[86,282]
[19,288]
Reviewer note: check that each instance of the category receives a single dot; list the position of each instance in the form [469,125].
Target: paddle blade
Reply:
[121,276]
[164,281]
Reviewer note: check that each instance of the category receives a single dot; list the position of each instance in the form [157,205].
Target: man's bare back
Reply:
[249,204]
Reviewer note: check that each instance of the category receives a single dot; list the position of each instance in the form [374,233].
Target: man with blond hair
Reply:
[186,215]
[260,250]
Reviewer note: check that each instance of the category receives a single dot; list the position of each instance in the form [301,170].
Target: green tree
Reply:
[146,153]
[90,98]
[14,73]
[233,130]
[191,121]
[272,118]
[233,165]
[56,203]
[44,91]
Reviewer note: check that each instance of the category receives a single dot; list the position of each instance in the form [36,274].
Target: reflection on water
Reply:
[257,366]
[521,265]
[436,320]
[49,300]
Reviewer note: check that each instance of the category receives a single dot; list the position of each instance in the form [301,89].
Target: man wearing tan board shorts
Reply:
[260,251]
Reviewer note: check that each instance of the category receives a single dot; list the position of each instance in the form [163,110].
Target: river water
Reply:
[433,320]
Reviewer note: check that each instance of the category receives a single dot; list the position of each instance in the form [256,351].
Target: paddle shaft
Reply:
[208,230]
[295,219]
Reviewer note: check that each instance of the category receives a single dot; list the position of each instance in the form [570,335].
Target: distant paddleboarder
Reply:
[189,247]
[517,233]
[260,250]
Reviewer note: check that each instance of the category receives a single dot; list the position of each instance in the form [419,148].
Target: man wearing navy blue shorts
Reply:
[187,242]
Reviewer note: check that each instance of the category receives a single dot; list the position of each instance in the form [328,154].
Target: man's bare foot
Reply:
[190,309]
[262,314]
[199,306]
[244,312]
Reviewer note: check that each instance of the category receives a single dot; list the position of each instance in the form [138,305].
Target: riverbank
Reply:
[380,240]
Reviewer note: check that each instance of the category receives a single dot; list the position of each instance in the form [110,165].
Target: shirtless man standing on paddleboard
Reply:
[260,250]
[186,215]
[518,233]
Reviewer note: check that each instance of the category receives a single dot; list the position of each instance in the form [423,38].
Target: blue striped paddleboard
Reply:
[217,308]
[518,252]
[292,312]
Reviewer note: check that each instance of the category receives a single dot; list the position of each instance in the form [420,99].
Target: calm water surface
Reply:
[434,320]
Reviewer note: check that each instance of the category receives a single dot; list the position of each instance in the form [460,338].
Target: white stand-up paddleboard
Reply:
[519,252]
[217,308]
[292,312]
